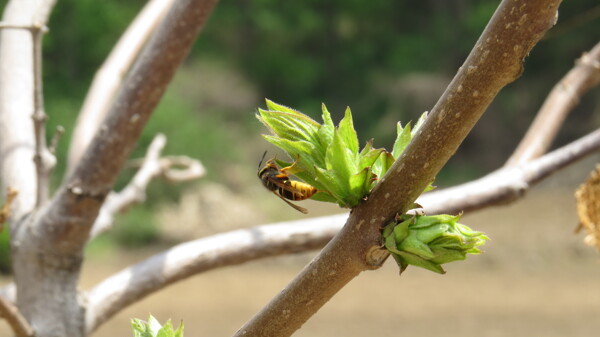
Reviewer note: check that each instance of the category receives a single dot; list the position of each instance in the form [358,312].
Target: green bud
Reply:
[430,241]
[328,156]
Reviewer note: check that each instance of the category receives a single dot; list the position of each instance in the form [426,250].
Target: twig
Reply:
[17,96]
[110,76]
[559,103]
[495,61]
[5,210]
[60,130]
[15,319]
[43,158]
[152,167]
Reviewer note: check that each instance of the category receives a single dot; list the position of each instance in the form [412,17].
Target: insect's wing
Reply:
[282,184]
[296,207]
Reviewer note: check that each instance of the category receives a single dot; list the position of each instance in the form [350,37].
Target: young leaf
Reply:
[347,132]
[402,139]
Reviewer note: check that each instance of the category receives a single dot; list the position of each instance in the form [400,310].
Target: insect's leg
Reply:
[296,207]
[293,168]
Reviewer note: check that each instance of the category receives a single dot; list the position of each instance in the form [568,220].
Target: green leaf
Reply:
[330,183]
[402,139]
[302,149]
[421,262]
[290,126]
[382,164]
[341,160]
[347,132]
[279,107]
[327,129]
[358,187]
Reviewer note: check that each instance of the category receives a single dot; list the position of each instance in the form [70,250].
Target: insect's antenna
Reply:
[261,159]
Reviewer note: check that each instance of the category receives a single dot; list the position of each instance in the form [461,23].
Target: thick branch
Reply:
[110,76]
[197,256]
[495,61]
[561,100]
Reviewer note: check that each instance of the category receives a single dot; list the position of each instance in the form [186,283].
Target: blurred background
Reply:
[388,60]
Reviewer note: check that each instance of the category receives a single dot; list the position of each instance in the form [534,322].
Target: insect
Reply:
[278,181]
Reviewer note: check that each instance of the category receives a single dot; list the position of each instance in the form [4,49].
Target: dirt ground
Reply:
[536,278]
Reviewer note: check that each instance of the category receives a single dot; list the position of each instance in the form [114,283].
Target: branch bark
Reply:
[110,76]
[561,100]
[17,139]
[187,259]
[194,257]
[495,61]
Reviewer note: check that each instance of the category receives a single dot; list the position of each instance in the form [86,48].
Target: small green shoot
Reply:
[152,328]
[328,156]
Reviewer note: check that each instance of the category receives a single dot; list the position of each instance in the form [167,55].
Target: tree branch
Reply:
[44,160]
[17,139]
[561,100]
[80,198]
[152,167]
[110,76]
[17,322]
[509,183]
[187,259]
[495,61]
[191,258]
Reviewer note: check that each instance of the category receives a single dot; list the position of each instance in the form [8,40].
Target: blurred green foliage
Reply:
[377,57]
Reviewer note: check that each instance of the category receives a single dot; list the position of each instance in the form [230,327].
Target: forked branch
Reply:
[175,169]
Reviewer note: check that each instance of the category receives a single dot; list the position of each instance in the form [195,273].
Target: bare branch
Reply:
[495,61]
[60,130]
[110,76]
[560,102]
[43,158]
[14,318]
[190,258]
[17,139]
[135,192]
[509,183]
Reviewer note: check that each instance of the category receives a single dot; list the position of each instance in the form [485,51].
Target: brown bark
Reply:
[495,61]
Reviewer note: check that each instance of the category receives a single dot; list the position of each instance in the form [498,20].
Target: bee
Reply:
[278,181]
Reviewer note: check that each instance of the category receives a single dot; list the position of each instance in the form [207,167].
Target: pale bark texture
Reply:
[48,242]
